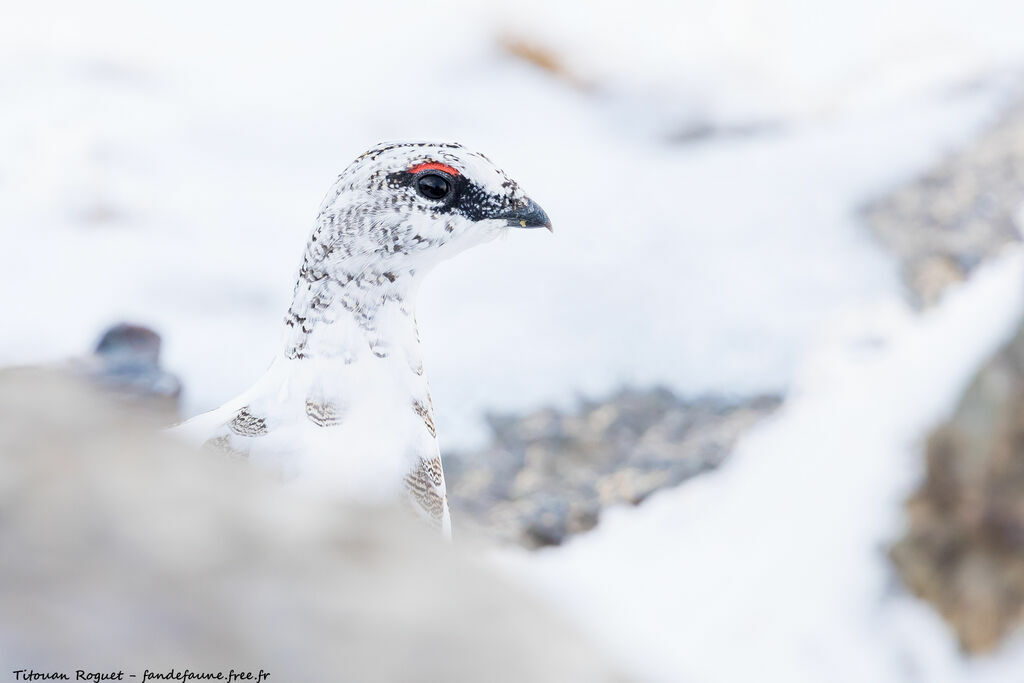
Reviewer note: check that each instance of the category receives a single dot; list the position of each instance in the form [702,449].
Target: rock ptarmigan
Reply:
[345,405]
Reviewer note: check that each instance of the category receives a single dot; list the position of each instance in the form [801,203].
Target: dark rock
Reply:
[964,548]
[546,520]
[548,474]
[946,223]
[126,364]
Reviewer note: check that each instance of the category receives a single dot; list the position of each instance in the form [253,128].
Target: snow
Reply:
[773,567]
[163,163]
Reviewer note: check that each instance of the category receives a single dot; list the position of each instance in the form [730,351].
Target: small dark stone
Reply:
[126,363]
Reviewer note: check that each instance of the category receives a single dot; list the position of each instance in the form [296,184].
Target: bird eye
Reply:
[433,186]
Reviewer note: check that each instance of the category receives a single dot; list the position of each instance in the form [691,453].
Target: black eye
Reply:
[433,186]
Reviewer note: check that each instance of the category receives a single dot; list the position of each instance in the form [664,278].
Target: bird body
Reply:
[345,407]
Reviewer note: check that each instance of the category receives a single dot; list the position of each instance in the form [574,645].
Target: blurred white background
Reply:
[163,163]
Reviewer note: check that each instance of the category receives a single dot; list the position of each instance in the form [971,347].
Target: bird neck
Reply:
[351,313]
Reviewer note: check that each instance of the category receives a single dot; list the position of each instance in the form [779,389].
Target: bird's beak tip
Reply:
[547,224]
[529,216]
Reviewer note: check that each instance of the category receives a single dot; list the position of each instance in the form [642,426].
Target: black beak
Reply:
[529,216]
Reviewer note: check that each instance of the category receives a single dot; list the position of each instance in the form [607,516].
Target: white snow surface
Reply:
[163,163]
[774,568]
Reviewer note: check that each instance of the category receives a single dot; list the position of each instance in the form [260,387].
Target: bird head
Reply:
[416,203]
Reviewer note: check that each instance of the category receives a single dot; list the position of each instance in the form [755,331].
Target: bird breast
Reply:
[353,430]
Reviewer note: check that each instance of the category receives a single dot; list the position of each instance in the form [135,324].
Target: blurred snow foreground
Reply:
[120,550]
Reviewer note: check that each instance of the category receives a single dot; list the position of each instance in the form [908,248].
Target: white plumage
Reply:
[345,407]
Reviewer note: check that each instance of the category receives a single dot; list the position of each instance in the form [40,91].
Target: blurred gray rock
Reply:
[948,221]
[126,364]
[120,550]
[548,474]
[963,550]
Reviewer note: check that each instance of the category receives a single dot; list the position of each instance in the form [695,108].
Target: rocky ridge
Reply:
[550,473]
[963,546]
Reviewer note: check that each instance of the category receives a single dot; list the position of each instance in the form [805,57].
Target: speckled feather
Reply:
[346,406]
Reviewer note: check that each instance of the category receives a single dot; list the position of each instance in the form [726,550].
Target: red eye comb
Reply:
[434,166]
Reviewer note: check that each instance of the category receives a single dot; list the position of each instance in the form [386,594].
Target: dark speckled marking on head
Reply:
[375,211]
